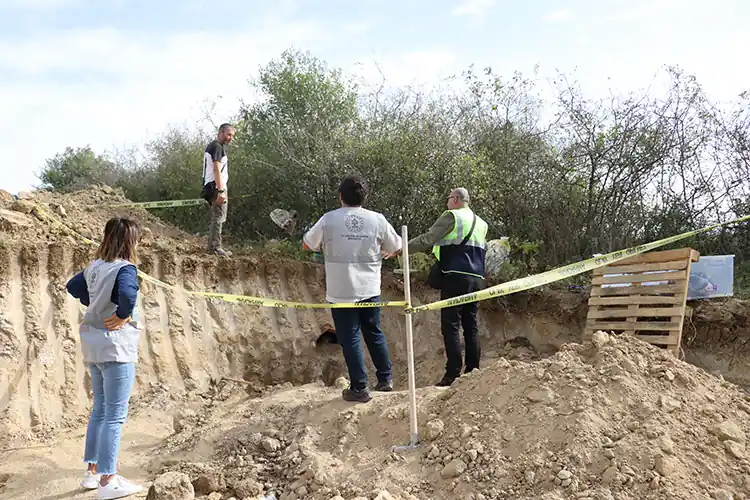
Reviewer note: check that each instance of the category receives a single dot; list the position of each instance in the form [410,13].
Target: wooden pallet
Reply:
[652,312]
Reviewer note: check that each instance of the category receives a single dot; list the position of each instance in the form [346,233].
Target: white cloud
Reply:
[125,54]
[36,4]
[133,87]
[356,28]
[561,15]
[633,11]
[624,45]
[123,87]
[148,83]
[472,7]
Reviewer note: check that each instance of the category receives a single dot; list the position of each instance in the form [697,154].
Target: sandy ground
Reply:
[53,472]
[613,421]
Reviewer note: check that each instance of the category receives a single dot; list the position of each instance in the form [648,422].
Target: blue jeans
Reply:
[111,383]
[349,323]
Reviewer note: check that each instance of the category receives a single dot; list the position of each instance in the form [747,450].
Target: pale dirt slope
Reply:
[188,341]
[585,394]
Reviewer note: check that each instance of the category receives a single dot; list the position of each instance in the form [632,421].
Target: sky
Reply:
[115,73]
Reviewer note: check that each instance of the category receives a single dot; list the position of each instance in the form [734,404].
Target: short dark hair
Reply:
[225,126]
[120,240]
[353,190]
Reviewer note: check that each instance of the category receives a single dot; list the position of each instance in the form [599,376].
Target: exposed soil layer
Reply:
[614,418]
[533,423]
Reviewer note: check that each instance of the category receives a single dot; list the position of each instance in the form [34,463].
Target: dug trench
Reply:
[216,357]
[189,343]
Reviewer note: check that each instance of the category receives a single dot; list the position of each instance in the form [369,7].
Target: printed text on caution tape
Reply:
[168,203]
[563,272]
[244,299]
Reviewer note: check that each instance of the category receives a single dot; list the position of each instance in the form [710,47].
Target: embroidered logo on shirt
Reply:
[94,277]
[354,223]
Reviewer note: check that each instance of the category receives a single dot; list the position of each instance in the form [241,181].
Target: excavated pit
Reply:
[190,343]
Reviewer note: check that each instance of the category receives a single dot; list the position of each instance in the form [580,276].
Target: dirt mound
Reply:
[260,406]
[188,343]
[44,217]
[615,419]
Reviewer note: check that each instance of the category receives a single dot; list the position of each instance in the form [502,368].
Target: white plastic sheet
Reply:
[497,253]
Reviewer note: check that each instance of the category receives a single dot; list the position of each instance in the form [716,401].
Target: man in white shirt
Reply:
[215,179]
[353,240]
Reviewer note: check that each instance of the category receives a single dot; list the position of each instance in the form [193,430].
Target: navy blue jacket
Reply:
[124,293]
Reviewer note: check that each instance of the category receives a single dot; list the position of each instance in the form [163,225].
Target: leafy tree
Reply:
[76,168]
[169,168]
[290,146]
[563,178]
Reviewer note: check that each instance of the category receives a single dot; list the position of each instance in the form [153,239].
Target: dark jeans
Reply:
[348,323]
[452,318]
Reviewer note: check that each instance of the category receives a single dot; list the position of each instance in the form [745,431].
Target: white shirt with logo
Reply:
[351,240]
[215,151]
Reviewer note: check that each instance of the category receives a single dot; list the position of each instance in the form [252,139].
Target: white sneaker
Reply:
[117,487]
[90,480]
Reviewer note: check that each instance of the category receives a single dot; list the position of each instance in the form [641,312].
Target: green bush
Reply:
[563,178]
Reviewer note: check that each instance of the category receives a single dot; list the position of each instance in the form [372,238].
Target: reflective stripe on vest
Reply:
[475,245]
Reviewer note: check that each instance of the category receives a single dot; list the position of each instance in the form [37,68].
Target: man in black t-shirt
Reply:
[215,178]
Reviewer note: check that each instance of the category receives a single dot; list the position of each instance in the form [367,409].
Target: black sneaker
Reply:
[386,386]
[446,381]
[362,396]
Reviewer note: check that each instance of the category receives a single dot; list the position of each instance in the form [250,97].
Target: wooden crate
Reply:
[652,312]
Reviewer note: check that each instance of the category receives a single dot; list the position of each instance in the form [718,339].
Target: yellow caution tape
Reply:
[262,301]
[266,302]
[241,299]
[168,203]
[162,204]
[259,301]
[500,290]
[562,272]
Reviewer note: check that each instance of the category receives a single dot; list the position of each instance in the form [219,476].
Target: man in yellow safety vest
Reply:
[458,241]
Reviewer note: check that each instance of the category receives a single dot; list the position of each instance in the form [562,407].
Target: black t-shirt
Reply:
[214,152]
